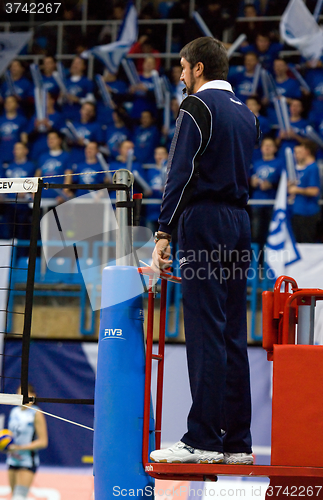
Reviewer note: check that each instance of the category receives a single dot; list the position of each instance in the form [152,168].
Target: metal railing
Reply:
[113,25]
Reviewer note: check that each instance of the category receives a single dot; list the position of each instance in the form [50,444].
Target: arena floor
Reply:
[58,483]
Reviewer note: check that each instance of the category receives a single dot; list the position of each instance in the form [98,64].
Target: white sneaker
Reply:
[238,458]
[181,453]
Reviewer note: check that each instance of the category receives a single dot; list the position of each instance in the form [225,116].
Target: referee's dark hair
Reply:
[211,53]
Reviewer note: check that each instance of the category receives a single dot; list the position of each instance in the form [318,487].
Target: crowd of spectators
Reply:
[79,124]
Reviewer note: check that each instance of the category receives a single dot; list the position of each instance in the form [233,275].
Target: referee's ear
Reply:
[199,69]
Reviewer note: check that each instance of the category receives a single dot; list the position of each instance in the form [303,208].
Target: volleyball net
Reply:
[49,248]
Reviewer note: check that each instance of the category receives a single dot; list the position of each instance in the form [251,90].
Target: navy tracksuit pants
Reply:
[214,245]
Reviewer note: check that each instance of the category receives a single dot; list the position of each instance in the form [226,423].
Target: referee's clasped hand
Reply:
[161,256]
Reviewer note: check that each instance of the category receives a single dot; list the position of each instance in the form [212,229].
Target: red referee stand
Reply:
[296,468]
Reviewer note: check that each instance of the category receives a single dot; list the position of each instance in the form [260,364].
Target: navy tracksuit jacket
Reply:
[206,192]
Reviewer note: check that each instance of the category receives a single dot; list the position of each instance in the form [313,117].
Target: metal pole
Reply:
[312,320]
[123,238]
[192,7]
[106,229]
[90,68]
[169,36]
[59,48]
[84,15]
[305,328]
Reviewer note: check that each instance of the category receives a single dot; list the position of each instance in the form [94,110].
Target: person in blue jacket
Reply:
[79,90]
[156,178]
[48,67]
[146,138]
[143,92]
[90,170]
[19,213]
[116,133]
[23,88]
[285,86]
[314,78]
[13,128]
[168,132]
[53,166]
[87,129]
[206,193]
[254,104]
[126,159]
[264,178]
[266,50]
[38,129]
[297,132]
[118,90]
[305,194]
[244,78]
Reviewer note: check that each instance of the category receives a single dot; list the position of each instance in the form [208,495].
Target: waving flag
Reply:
[10,45]
[281,249]
[298,28]
[111,54]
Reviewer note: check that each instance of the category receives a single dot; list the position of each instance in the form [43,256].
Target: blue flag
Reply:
[111,54]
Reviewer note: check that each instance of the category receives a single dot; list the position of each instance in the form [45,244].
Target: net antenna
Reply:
[17,192]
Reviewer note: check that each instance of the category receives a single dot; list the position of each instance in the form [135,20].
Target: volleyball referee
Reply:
[206,194]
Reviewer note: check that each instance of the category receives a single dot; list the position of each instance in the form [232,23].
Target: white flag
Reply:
[112,53]
[10,46]
[281,248]
[299,29]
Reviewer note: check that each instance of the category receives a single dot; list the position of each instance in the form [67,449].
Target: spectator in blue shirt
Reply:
[265,175]
[251,4]
[156,178]
[53,165]
[294,136]
[248,27]
[266,50]
[242,78]
[143,92]
[168,134]
[23,88]
[13,128]
[306,194]
[146,138]
[50,84]
[21,166]
[116,134]
[19,213]
[118,90]
[177,84]
[79,88]
[38,129]
[254,105]
[286,86]
[90,170]
[314,78]
[87,129]
[125,160]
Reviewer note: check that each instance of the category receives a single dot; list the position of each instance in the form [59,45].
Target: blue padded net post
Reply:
[119,390]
